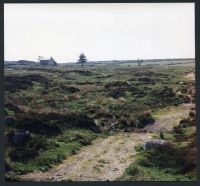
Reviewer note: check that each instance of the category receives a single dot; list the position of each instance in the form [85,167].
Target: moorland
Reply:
[90,123]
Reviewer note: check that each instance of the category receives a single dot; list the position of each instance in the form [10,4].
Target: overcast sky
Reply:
[101,31]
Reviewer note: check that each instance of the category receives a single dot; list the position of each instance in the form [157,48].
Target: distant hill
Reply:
[20,62]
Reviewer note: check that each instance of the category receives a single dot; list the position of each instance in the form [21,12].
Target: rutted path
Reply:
[169,118]
[105,159]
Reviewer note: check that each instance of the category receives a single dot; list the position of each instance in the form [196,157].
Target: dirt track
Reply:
[169,118]
[105,159]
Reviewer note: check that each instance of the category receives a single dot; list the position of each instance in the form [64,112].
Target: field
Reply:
[97,118]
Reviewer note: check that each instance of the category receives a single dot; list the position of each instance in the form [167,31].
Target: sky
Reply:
[111,31]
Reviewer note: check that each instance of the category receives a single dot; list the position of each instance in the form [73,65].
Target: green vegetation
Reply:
[46,159]
[141,173]
[174,162]
[168,164]
[41,153]
[84,137]
[66,107]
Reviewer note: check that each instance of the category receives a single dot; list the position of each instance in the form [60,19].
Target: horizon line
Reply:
[90,61]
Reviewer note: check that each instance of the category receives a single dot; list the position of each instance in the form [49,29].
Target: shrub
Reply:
[132,170]
[117,93]
[143,161]
[139,148]
[192,114]
[178,130]
[30,149]
[11,178]
[84,137]
[38,126]
[144,120]
[165,157]
[184,123]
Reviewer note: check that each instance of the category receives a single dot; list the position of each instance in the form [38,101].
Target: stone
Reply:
[154,144]
[20,136]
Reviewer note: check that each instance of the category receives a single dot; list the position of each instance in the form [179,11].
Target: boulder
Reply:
[20,137]
[154,144]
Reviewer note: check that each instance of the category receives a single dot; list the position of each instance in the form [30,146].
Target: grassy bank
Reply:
[56,150]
